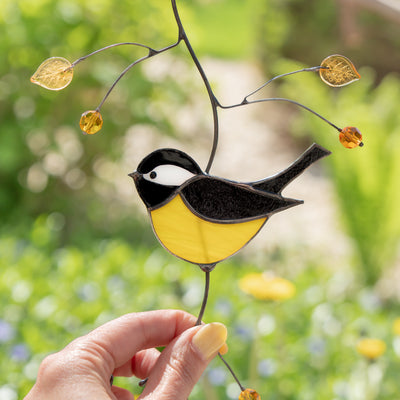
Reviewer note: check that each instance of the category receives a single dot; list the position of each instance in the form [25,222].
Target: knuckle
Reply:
[52,367]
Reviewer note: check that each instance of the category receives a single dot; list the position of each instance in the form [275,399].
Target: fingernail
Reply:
[209,339]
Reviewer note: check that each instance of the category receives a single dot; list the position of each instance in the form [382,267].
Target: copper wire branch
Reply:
[215,104]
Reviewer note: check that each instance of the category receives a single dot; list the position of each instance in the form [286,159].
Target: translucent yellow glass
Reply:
[197,240]
[55,73]
[91,122]
[350,137]
[338,71]
[249,394]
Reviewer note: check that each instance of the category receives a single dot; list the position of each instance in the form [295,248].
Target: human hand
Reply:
[126,347]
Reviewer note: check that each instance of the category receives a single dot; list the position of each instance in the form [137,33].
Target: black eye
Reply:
[153,175]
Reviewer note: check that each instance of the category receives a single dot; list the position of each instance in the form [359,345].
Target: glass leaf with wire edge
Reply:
[91,122]
[55,73]
[249,394]
[337,71]
[350,137]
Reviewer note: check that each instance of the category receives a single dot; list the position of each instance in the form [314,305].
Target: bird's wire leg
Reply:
[205,296]
[207,270]
[200,317]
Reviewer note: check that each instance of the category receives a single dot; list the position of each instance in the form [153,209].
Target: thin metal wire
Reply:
[152,53]
[310,69]
[246,102]
[109,47]
[242,388]
[200,317]
[213,100]
[205,298]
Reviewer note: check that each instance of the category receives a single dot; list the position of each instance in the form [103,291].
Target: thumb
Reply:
[182,362]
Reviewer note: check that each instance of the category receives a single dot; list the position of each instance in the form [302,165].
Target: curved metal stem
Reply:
[213,100]
[311,69]
[200,317]
[205,298]
[152,53]
[246,102]
[109,47]
[242,388]
[118,79]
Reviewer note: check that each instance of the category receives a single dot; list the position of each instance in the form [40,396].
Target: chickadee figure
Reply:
[205,219]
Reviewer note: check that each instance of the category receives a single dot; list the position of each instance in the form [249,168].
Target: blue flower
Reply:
[7,332]
[316,346]
[217,376]
[223,307]
[246,333]
[20,352]
[266,367]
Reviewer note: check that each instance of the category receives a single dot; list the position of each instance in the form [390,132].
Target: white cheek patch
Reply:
[168,175]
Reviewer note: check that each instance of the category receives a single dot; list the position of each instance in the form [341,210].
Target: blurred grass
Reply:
[365,179]
[302,348]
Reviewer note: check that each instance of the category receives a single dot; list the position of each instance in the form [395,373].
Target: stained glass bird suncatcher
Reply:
[198,217]
[204,219]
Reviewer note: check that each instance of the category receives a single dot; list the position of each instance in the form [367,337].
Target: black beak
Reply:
[135,175]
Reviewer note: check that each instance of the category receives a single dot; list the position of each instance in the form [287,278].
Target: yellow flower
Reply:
[371,348]
[396,326]
[265,287]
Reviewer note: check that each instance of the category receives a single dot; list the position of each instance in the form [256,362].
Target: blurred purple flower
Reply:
[7,332]
[316,346]
[89,292]
[266,367]
[245,332]
[20,352]
[217,376]
[224,307]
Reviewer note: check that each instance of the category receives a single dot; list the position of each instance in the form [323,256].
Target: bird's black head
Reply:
[161,173]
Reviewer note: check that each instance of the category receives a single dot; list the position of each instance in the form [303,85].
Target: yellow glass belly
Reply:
[196,240]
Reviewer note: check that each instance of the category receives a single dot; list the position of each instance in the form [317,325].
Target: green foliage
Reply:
[223,29]
[37,125]
[303,348]
[365,179]
[306,30]
[47,165]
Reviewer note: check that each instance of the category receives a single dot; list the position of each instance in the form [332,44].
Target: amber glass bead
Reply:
[249,394]
[91,122]
[350,137]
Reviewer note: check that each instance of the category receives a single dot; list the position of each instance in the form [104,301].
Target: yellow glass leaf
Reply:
[249,394]
[55,73]
[338,71]
[91,122]
[350,137]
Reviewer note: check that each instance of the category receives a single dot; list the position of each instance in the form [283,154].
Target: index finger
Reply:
[123,337]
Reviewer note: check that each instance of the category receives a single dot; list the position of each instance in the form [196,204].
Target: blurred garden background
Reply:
[76,246]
